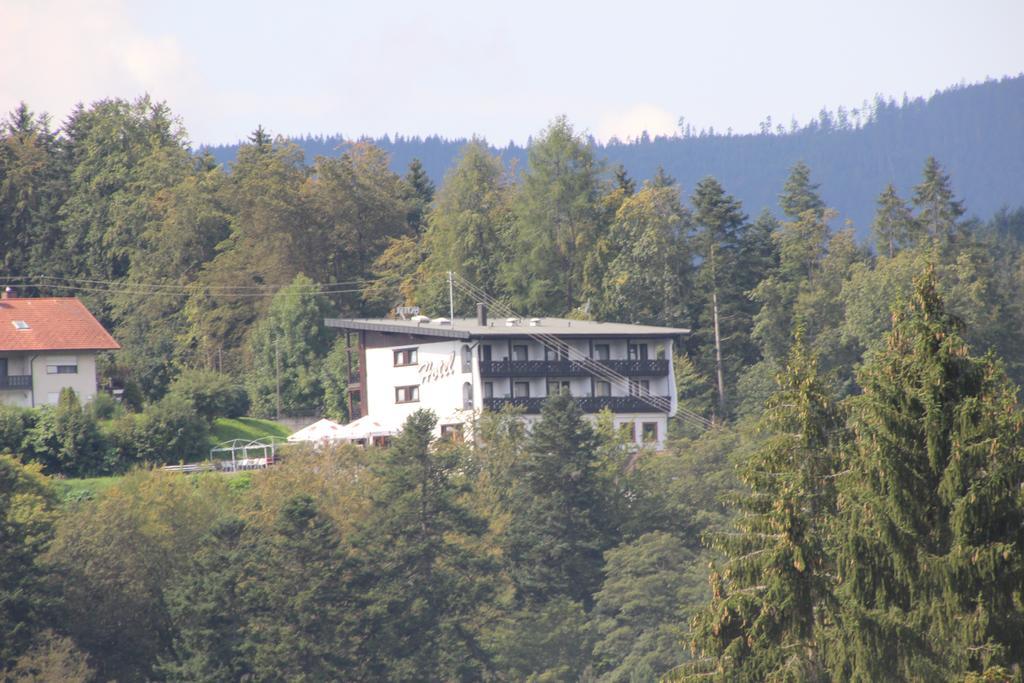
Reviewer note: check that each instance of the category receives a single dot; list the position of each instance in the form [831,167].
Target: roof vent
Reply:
[534,322]
[442,321]
[19,324]
[511,322]
[420,318]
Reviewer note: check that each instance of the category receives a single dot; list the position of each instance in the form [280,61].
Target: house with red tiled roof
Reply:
[47,344]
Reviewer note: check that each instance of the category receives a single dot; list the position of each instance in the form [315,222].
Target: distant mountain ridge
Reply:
[975,131]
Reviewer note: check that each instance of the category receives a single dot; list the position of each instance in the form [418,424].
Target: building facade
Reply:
[458,368]
[46,345]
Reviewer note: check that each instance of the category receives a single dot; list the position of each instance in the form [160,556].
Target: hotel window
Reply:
[488,389]
[409,394]
[405,357]
[485,353]
[638,351]
[452,432]
[558,386]
[521,390]
[602,352]
[639,387]
[650,432]
[552,353]
[602,388]
[520,352]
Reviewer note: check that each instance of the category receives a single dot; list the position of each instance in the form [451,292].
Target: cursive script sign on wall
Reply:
[434,370]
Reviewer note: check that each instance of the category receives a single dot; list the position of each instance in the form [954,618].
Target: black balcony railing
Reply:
[16,382]
[571,368]
[588,404]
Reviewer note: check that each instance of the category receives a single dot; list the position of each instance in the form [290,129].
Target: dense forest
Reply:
[974,129]
[848,504]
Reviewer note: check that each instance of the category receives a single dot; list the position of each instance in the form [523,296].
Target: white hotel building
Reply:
[457,368]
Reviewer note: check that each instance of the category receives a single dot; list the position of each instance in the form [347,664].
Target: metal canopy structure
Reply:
[245,454]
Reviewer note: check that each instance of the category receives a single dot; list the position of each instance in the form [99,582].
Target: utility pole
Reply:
[718,339]
[277,374]
[451,297]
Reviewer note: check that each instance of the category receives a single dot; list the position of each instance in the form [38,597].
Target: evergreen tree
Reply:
[770,603]
[937,211]
[799,194]
[33,184]
[931,554]
[301,618]
[558,528]
[467,228]
[723,312]
[557,220]
[623,181]
[894,227]
[424,580]
[287,349]
[420,191]
[207,611]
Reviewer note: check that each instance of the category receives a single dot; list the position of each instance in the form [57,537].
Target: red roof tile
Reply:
[55,324]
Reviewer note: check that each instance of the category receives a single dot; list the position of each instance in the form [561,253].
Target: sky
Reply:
[500,70]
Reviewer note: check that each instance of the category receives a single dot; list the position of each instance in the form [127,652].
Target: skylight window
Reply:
[19,324]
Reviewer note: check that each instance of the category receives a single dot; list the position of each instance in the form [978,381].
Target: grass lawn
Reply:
[72,489]
[251,428]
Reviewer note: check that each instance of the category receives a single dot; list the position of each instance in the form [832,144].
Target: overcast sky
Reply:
[498,69]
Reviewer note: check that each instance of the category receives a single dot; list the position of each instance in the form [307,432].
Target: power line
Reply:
[171,285]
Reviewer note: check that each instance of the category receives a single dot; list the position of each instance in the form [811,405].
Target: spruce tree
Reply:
[424,582]
[558,528]
[937,210]
[771,600]
[799,194]
[894,226]
[931,533]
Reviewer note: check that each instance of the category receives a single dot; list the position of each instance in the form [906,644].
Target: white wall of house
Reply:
[50,373]
[437,374]
[47,380]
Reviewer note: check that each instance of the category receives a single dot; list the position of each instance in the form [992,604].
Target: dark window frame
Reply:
[601,384]
[653,431]
[515,391]
[406,357]
[607,351]
[407,390]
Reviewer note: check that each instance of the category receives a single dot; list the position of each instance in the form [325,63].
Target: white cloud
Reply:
[55,54]
[632,122]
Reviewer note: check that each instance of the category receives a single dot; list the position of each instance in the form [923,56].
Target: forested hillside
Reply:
[977,131]
[841,497]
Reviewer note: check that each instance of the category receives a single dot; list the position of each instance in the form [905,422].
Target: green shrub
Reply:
[14,424]
[104,407]
[167,431]
[65,439]
[211,394]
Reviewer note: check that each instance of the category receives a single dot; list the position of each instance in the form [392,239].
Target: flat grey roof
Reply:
[466,328]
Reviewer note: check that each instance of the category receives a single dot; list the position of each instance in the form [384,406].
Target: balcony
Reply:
[588,404]
[15,382]
[571,368]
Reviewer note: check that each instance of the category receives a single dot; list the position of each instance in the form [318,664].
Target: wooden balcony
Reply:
[571,368]
[15,382]
[588,404]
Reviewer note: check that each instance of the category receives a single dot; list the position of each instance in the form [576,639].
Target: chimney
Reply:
[481,315]
[8,293]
